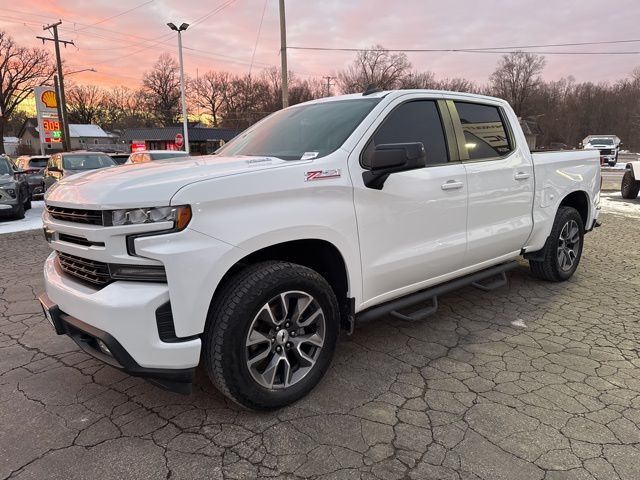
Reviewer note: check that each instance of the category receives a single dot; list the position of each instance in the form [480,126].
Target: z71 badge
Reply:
[322,174]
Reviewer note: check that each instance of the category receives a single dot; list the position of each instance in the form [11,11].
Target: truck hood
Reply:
[148,184]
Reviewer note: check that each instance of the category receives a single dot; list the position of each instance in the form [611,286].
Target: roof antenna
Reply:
[371,88]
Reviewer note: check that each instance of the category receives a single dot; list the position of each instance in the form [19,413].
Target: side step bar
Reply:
[393,307]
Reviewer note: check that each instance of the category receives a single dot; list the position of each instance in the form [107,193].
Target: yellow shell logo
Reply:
[49,99]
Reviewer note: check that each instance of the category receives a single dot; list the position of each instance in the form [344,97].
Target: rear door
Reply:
[413,230]
[499,178]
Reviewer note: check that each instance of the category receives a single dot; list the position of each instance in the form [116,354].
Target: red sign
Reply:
[179,140]
[138,145]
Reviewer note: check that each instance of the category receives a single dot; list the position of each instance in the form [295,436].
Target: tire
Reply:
[19,215]
[27,204]
[630,186]
[245,310]
[612,164]
[556,265]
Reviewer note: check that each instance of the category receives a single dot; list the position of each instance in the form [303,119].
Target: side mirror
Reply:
[389,158]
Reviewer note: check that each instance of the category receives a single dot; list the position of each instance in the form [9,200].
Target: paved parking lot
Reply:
[532,381]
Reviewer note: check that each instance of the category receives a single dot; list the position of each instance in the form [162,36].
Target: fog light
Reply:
[103,348]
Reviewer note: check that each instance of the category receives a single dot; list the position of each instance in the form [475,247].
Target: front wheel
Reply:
[563,249]
[630,186]
[271,334]
[612,163]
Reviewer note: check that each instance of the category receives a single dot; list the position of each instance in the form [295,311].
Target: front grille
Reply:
[606,151]
[76,215]
[90,271]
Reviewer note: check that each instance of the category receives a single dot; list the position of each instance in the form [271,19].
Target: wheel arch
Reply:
[634,168]
[579,200]
[319,255]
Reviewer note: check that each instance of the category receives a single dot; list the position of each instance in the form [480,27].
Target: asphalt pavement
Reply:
[533,381]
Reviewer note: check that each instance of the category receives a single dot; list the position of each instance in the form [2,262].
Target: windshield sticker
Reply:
[322,174]
[309,155]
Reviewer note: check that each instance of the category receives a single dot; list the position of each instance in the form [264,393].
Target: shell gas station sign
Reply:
[49,126]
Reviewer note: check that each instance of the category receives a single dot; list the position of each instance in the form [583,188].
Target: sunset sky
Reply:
[122,39]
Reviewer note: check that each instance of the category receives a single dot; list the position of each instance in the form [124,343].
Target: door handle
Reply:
[451,185]
[521,175]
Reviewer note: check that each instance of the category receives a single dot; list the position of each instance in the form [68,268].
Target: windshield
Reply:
[302,132]
[162,156]
[5,168]
[38,162]
[86,162]
[601,141]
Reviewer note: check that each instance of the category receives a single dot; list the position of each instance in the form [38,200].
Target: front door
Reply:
[413,230]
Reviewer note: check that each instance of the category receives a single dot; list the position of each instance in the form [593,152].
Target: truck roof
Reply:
[396,93]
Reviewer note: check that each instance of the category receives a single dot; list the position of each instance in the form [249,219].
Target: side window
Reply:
[417,121]
[485,132]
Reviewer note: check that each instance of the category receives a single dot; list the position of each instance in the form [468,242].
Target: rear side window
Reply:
[485,131]
[417,121]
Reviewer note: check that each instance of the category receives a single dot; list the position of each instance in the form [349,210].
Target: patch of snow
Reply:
[612,202]
[519,323]
[31,221]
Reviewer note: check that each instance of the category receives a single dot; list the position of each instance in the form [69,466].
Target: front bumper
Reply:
[123,315]
[112,352]
[9,206]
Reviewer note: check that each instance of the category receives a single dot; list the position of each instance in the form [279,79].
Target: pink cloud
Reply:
[122,48]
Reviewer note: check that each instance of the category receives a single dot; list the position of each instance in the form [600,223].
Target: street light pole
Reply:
[185,120]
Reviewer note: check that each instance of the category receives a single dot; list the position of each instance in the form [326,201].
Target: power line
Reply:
[117,15]
[255,46]
[494,50]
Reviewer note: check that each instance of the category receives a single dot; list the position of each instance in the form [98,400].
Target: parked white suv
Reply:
[328,212]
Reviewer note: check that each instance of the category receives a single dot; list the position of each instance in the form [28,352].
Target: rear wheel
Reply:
[630,186]
[271,334]
[563,249]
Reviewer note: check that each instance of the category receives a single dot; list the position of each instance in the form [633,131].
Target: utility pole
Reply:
[329,84]
[283,56]
[66,141]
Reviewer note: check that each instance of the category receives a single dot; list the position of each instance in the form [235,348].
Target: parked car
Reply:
[33,166]
[329,212]
[608,145]
[15,197]
[62,165]
[119,158]
[151,155]
[631,180]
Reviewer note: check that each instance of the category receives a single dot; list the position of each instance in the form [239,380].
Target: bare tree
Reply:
[457,85]
[161,87]
[417,79]
[84,104]
[209,92]
[377,67]
[124,108]
[516,78]
[21,69]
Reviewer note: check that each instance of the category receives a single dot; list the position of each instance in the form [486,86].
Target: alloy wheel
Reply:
[285,339]
[568,245]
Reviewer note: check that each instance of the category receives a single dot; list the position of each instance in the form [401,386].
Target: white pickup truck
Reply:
[323,214]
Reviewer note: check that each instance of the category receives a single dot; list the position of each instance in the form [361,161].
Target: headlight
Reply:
[180,216]
[11,192]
